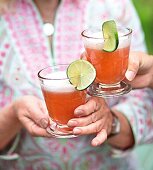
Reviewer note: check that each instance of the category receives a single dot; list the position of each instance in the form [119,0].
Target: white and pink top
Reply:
[24,50]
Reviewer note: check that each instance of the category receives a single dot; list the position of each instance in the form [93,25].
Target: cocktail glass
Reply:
[61,99]
[110,66]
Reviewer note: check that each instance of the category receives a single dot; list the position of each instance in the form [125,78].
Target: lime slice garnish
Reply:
[110,35]
[81,74]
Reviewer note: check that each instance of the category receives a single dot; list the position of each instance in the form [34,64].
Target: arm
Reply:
[134,114]
[137,108]
[126,111]
[9,125]
[124,139]
[28,112]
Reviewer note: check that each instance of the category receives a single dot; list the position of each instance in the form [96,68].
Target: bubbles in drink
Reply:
[96,41]
[59,82]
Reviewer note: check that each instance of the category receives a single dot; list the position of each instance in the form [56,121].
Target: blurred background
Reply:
[145,11]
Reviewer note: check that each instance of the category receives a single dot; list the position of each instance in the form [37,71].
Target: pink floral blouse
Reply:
[24,49]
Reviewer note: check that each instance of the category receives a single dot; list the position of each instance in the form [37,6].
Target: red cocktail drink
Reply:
[61,104]
[61,99]
[110,66]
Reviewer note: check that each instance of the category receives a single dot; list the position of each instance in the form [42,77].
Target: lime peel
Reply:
[110,34]
[81,74]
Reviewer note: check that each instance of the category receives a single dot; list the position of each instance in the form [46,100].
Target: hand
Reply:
[140,70]
[32,114]
[93,117]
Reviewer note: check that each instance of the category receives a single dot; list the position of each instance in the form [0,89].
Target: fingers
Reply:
[89,129]
[33,115]
[34,129]
[32,108]
[100,138]
[91,106]
[139,82]
[99,127]
[104,123]
[84,121]
[39,115]
[93,117]
[88,113]
[38,131]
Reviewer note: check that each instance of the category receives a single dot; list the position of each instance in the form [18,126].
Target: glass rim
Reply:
[45,68]
[84,34]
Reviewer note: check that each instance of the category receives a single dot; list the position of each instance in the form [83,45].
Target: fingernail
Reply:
[95,143]
[72,123]
[78,112]
[43,123]
[76,131]
[130,75]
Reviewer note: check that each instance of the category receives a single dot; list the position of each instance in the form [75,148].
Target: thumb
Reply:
[44,122]
[133,67]
[43,117]
[130,75]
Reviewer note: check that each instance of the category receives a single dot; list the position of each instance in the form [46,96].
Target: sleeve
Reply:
[137,106]
[9,152]
[6,92]
[125,14]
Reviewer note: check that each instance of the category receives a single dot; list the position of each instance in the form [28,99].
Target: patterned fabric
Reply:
[24,50]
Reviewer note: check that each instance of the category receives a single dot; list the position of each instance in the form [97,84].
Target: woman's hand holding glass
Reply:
[140,70]
[94,117]
[32,114]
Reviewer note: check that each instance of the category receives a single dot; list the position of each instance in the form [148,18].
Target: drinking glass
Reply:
[110,66]
[61,99]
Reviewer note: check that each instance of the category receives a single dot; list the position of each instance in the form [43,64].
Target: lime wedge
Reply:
[81,74]
[110,35]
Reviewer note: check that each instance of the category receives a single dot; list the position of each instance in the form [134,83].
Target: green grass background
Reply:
[145,11]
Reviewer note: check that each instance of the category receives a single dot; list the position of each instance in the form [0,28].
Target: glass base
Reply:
[60,131]
[107,91]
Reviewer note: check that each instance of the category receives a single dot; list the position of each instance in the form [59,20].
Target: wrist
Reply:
[115,125]
[9,125]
